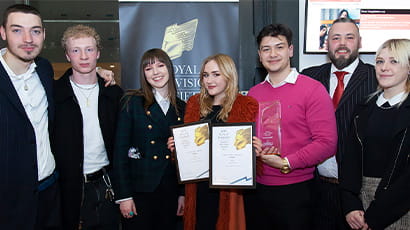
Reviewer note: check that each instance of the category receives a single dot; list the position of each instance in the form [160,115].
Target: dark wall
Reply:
[3,6]
[253,16]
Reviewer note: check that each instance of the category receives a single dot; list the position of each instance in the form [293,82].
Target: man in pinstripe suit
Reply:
[344,42]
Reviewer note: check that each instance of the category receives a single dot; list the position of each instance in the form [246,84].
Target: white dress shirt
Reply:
[328,168]
[34,100]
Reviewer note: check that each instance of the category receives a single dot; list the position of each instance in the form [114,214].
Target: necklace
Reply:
[20,77]
[85,88]
[83,91]
[386,107]
[25,79]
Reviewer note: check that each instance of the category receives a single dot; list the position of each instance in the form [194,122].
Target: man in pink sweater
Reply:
[283,197]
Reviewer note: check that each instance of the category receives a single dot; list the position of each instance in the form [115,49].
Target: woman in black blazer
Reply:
[147,189]
[375,174]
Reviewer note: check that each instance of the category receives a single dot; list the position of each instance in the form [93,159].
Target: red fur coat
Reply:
[231,207]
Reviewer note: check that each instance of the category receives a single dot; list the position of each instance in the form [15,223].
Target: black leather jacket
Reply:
[392,199]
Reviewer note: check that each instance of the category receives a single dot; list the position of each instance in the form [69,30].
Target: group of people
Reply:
[57,136]
[78,153]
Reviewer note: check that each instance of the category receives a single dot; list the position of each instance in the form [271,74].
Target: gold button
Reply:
[152,142]
[167,156]
[148,113]
[155,157]
[179,119]
[149,126]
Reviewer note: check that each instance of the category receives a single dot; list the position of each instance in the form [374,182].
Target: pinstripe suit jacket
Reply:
[18,152]
[362,83]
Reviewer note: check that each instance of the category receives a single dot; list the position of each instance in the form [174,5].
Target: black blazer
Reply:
[18,153]
[68,145]
[361,84]
[148,132]
[392,199]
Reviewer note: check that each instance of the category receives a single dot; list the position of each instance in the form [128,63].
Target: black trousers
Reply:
[96,211]
[49,208]
[286,207]
[328,210]
[156,210]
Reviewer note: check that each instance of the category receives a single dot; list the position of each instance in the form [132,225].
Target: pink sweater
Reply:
[308,127]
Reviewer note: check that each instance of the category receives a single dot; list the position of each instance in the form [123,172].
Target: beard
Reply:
[343,60]
[25,56]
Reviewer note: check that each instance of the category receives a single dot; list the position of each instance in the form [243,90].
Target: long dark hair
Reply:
[149,57]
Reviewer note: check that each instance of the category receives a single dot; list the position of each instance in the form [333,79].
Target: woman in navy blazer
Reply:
[147,189]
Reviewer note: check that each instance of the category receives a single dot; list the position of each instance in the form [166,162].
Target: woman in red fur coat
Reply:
[218,101]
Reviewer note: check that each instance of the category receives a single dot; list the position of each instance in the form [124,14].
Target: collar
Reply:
[161,101]
[392,101]
[291,79]
[31,69]
[158,97]
[350,68]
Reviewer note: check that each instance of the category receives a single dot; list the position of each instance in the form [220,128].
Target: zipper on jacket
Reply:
[358,138]
[395,160]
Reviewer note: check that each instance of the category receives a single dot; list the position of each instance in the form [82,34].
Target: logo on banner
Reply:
[179,38]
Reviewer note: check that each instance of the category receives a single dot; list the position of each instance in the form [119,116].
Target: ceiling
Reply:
[60,14]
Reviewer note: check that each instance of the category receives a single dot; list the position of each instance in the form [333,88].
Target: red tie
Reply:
[339,88]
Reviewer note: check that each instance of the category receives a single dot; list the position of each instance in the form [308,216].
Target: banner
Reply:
[188,31]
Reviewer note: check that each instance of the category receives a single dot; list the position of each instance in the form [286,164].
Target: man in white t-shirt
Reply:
[83,140]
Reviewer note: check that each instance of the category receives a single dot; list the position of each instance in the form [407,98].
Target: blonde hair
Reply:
[228,71]
[80,31]
[400,50]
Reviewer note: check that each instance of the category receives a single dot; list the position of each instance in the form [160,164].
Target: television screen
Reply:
[378,21]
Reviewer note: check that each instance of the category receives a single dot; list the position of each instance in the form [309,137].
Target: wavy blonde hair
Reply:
[228,71]
[80,31]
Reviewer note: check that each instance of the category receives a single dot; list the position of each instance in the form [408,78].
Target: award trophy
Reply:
[269,125]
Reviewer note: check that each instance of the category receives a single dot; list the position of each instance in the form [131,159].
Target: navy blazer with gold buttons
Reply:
[147,133]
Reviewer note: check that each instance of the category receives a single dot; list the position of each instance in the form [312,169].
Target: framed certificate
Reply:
[192,151]
[232,159]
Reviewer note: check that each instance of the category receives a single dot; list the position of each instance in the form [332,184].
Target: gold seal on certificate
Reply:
[201,134]
[192,151]
[269,124]
[242,138]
